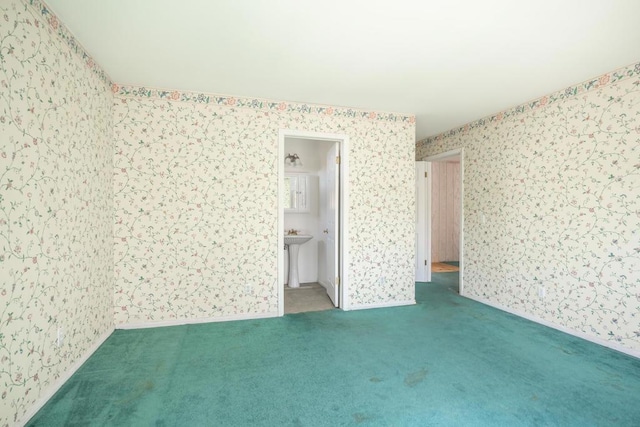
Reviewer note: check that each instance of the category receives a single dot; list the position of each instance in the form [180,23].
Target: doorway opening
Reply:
[312,221]
[439,224]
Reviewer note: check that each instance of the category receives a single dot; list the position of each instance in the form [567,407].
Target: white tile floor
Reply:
[308,297]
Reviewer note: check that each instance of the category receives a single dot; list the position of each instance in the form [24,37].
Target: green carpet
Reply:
[446,361]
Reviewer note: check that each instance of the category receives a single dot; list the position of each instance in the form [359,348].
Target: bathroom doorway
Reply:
[312,192]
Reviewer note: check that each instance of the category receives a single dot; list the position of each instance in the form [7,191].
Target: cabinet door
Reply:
[303,194]
[290,197]
[296,194]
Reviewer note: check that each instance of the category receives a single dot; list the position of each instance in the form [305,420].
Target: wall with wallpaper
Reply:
[196,203]
[558,181]
[56,203]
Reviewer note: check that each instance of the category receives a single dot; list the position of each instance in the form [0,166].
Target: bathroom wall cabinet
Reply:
[296,193]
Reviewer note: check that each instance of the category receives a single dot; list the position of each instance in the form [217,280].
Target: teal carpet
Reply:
[447,361]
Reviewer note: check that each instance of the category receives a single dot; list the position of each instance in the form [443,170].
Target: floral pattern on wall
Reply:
[56,204]
[558,183]
[257,104]
[196,206]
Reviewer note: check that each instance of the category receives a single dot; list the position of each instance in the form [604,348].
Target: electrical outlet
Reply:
[541,292]
[60,337]
[248,289]
[382,280]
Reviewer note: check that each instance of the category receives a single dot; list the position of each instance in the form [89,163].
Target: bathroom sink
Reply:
[296,239]
[293,242]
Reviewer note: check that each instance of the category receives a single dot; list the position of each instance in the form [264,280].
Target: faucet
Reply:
[292,232]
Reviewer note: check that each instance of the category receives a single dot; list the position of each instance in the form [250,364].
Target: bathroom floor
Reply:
[308,297]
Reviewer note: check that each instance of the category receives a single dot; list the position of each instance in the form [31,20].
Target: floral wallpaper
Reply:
[176,220]
[56,204]
[557,182]
[258,103]
[191,173]
[195,186]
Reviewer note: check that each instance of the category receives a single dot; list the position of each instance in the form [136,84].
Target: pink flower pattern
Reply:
[190,177]
[261,104]
[56,205]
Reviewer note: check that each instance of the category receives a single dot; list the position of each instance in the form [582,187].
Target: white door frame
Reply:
[458,152]
[423,217]
[343,234]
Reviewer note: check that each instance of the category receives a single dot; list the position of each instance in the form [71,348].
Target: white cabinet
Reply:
[296,193]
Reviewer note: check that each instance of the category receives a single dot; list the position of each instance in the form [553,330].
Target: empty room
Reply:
[281,212]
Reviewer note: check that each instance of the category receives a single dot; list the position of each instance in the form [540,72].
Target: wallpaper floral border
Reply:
[544,101]
[56,204]
[552,201]
[67,37]
[257,104]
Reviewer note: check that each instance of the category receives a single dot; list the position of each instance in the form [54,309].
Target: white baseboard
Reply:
[43,399]
[179,322]
[595,340]
[382,305]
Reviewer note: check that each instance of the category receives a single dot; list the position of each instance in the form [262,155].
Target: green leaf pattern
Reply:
[56,205]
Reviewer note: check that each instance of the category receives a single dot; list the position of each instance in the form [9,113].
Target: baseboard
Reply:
[179,322]
[42,400]
[381,305]
[604,343]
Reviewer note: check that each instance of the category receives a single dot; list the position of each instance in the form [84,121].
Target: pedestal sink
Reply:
[294,241]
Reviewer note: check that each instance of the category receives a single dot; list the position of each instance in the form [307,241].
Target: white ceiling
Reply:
[448,62]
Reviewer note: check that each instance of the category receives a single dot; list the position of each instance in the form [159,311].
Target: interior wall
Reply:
[552,200]
[196,198]
[56,204]
[445,211]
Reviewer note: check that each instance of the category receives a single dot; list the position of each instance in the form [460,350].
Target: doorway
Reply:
[319,166]
[439,223]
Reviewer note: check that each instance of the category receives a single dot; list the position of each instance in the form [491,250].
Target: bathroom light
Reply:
[292,160]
